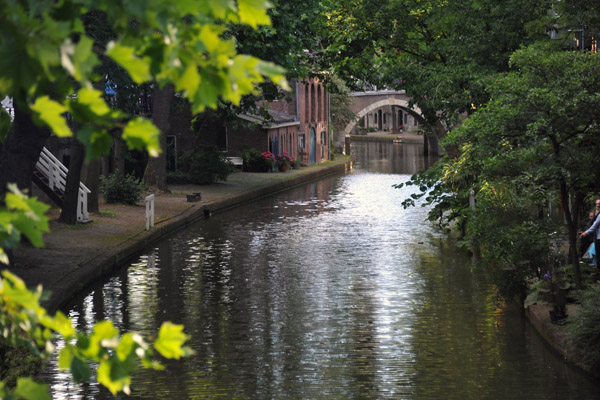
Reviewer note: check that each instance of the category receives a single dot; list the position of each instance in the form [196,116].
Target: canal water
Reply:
[330,290]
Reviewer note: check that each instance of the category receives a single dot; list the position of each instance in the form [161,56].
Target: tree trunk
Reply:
[68,214]
[155,174]
[572,227]
[118,154]
[92,181]
[20,151]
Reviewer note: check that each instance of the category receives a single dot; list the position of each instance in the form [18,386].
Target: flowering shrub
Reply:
[255,161]
[269,157]
[285,159]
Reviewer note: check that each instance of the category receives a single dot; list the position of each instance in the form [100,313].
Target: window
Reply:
[312,103]
[323,143]
[325,104]
[306,103]
[319,104]
[375,117]
[301,140]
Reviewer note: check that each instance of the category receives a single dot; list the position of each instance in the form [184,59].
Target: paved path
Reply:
[76,256]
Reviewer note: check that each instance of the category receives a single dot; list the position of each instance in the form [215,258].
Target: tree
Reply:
[47,62]
[340,102]
[155,174]
[536,138]
[441,52]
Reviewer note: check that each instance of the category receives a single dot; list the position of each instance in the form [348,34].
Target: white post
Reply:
[149,211]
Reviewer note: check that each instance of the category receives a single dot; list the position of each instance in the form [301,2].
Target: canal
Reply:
[330,290]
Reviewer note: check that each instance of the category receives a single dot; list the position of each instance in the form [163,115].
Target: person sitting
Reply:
[593,230]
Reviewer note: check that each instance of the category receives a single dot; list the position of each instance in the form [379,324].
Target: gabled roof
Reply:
[278,119]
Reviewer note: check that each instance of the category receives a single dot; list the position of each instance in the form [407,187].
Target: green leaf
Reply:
[51,113]
[253,12]
[140,134]
[22,297]
[189,81]
[220,8]
[29,390]
[94,100]
[80,370]
[210,37]
[212,85]
[104,330]
[61,324]
[274,73]
[152,364]
[97,141]
[65,358]
[138,68]
[112,377]
[126,347]
[170,341]
[30,219]
[84,60]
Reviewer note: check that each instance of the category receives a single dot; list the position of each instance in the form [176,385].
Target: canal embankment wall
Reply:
[77,256]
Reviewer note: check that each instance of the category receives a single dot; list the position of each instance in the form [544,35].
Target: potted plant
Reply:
[285,161]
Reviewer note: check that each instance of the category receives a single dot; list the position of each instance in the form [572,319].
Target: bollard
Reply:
[149,211]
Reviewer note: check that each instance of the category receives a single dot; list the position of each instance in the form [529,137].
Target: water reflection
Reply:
[388,157]
[330,290]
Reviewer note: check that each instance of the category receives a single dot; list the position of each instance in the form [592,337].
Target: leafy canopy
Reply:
[442,52]
[48,60]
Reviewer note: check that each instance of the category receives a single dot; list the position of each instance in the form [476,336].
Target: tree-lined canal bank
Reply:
[328,290]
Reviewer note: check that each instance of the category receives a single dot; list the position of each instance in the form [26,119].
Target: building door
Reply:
[274,146]
[313,146]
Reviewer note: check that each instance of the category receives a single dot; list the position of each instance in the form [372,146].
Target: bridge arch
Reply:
[391,101]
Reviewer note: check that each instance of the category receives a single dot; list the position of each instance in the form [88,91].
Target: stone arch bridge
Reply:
[387,110]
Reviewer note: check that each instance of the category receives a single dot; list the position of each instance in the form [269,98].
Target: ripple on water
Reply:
[331,290]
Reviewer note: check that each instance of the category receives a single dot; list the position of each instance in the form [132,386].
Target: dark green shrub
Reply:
[205,166]
[584,328]
[177,177]
[256,161]
[117,189]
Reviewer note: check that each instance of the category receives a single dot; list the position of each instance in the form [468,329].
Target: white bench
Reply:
[237,161]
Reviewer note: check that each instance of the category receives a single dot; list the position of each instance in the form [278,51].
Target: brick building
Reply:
[298,124]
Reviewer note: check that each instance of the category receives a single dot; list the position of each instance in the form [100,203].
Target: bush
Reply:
[206,166]
[255,161]
[118,189]
[177,177]
[296,164]
[584,329]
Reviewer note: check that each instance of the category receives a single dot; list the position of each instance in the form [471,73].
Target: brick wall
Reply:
[239,138]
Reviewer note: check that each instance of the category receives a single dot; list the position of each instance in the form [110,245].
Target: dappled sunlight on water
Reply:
[329,290]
